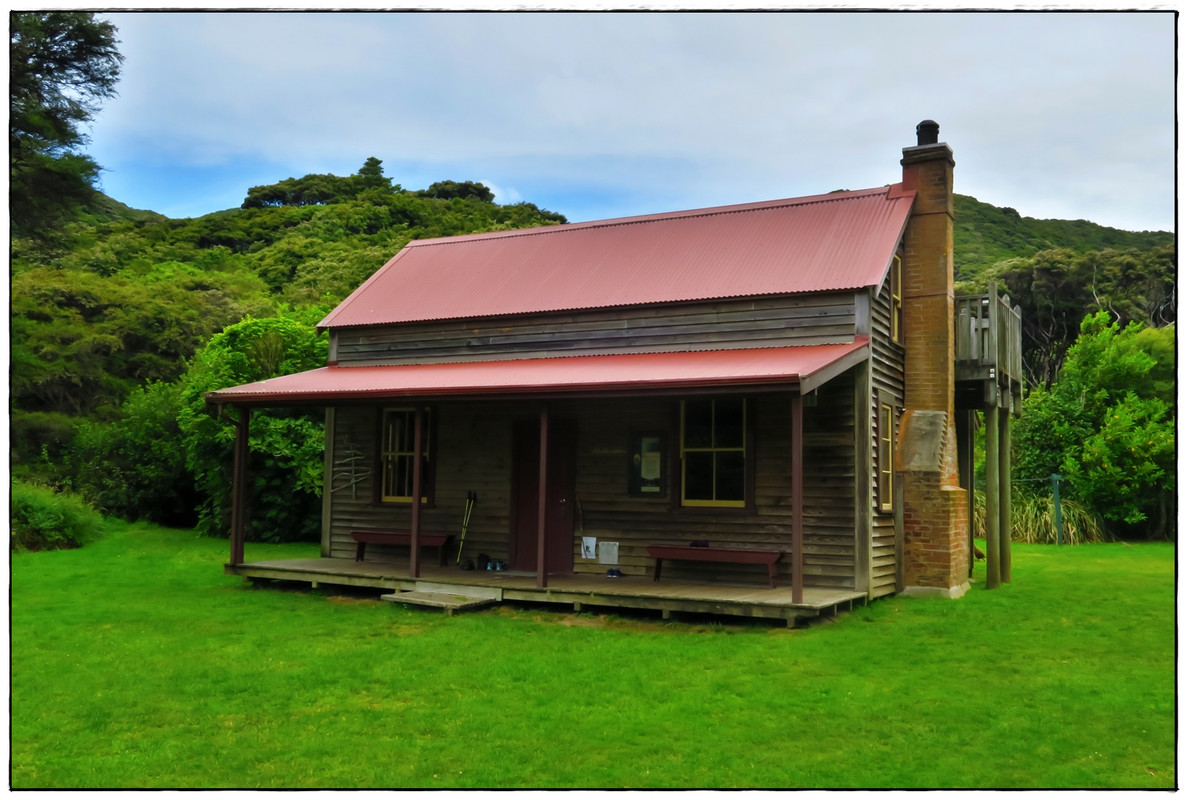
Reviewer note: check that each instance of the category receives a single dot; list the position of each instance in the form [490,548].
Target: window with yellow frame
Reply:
[896,300]
[713,452]
[886,420]
[397,454]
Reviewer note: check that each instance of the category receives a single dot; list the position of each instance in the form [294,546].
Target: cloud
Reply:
[1044,111]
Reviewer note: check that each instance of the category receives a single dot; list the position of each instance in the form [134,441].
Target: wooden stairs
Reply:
[448,597]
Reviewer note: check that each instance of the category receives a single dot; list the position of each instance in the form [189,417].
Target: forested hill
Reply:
[126,297]
[1058,271]
[122,297]
[987,234]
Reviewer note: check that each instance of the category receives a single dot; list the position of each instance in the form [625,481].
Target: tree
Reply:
[370,175]
[61,64]
[286,445]
[1104,426]
[1056,288]
[319,190]
[447,190]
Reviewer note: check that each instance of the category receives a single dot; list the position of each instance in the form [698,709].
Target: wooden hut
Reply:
[703,410]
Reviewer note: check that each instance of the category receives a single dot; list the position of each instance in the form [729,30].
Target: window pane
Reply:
[731,476]
[698,423]
[885,454]
[390,487]
[400,431]
[698,476]
[728,427]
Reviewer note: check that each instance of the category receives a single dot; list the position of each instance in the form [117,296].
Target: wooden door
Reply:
[561,495]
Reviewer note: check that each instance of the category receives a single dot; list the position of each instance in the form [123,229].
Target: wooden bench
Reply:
[730,555]
[438,540]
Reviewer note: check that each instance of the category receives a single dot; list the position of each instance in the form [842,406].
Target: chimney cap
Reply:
[927,132]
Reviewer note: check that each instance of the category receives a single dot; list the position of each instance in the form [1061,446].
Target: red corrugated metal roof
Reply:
[571,375]
[843,240]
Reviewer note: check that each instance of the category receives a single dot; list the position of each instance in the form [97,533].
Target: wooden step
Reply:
[451,602]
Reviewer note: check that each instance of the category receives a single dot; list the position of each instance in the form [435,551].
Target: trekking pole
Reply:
[471,498]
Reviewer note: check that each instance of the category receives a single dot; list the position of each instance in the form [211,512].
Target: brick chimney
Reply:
[935,518]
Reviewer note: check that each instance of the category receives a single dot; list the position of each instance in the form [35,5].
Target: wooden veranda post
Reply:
[797,498]
[417,478]
[542,506]
[239,487]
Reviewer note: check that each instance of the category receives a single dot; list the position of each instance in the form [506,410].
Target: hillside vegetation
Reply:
[121,321]
[128,296]
[986,235]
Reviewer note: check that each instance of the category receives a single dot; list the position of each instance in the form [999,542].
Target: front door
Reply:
[561,495]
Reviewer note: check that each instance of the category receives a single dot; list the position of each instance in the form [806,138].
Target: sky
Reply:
[602,115]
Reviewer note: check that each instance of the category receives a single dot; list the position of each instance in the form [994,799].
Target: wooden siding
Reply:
[887,383]
[750,322]
[473,452]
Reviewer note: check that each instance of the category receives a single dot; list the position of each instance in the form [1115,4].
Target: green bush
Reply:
[43,519]
[39,438]
[133,467]
[286,444]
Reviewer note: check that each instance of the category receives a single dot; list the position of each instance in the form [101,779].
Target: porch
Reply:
[577,591]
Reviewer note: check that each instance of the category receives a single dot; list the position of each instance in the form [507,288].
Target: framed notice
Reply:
[648,468]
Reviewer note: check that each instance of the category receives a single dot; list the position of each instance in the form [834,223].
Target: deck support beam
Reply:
[417,481]
[964,460]
[1005,522]
[542,505]
[797,498]
[993,575]
[239,486]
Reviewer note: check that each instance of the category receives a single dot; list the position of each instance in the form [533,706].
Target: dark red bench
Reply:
[727,555]
[438,540]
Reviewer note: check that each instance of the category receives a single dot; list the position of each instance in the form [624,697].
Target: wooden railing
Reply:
[989,338]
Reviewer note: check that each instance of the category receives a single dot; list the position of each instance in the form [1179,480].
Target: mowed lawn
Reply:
[137,663]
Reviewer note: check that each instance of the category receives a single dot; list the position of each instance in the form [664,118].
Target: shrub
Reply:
[43,519]
[39,438]
[1033,519]
[134,467]
[1115,447]
[286,444]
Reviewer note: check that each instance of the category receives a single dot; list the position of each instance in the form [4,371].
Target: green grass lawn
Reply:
[137,663]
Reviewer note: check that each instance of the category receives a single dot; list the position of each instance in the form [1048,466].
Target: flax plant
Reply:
[1033,519]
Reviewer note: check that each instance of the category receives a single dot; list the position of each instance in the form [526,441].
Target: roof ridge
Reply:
[692,213]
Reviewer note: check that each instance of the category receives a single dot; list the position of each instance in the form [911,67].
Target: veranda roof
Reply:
[805,367]
[838,241]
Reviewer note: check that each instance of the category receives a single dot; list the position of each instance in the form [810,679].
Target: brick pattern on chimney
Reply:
[935,536]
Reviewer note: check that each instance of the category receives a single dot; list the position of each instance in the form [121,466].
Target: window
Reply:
[886,457]
[896,300]
[397,451]
[713,452]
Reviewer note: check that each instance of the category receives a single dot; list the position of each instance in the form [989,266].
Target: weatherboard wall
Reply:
[886,367]
[826,318]
[473,449]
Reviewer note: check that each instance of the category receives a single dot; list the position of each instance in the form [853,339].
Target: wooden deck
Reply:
[579,592]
